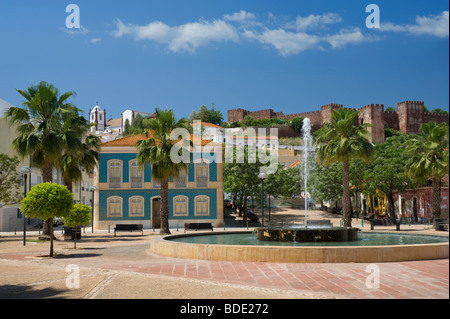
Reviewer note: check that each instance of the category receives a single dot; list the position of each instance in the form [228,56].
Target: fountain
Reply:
[313,230]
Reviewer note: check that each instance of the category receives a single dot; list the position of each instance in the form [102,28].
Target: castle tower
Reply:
[410,116]
[97,117]
[373,114]
[326,111]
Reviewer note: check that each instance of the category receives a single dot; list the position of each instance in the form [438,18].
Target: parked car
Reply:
[57,221]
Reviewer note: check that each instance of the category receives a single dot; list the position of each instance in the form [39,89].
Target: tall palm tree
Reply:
[155,150]
[342,141]
[84,155]
[428,159]
[40,128]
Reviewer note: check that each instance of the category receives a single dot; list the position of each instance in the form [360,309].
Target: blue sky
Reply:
[291,56]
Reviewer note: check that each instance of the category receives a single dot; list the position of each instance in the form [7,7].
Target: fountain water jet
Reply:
[307,142]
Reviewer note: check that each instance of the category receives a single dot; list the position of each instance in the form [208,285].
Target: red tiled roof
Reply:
[131,140]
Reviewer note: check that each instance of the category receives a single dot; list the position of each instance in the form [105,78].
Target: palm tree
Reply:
[155,150]
[428,159]
[343,141]
[40,128]
[84,156]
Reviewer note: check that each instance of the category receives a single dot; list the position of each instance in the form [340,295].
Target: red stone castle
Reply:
[409,117]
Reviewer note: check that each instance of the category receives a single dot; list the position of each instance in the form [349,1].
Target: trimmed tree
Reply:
[79,215]
[46,201]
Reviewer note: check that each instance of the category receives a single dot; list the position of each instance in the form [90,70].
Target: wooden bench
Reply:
[197,226]
[129,227]
[384,222]
[441,224]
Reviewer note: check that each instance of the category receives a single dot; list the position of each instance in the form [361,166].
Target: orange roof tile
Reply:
[131,140]
[295,164]
[205,124]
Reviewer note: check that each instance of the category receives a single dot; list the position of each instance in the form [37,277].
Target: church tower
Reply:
[97,117]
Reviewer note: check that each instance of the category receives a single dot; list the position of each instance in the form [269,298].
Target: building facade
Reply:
[126,192]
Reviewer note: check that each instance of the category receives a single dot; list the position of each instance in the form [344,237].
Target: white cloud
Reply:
[305,33]
[316,21]
[287,43]
[185,37]
[75,31]
[346,36]
[241,16]
[95,40]
[434,25]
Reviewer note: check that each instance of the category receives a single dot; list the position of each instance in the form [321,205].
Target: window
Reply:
[181,179]
[135,174]
[114,207]
[180,204]
[136,206]
[201,174]
[201,206]
[115,173]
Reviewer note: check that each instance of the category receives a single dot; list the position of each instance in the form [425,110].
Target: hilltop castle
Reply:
[409,117]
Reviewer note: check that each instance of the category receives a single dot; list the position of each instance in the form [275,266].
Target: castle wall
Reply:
[409,117]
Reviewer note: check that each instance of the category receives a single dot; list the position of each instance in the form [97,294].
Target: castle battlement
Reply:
[407,119]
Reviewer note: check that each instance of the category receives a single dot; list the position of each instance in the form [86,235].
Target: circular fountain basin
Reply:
[307,234]
[244,246]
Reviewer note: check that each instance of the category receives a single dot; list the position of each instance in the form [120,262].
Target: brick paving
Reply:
[110,263]
[398,280]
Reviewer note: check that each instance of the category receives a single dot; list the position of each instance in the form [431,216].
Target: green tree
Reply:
[241,178]
[387,171]
[46,201]
[439,111]
[428,159]
[40,128]
[297,124]
[326,183]
[9,183]
[342,141]
[79,215]
[126,128]
[204,114]
[155,150]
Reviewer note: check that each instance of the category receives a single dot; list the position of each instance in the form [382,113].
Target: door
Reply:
[156,206]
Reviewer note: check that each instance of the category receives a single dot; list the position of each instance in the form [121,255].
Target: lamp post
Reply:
[262,176]
[23,175]
[93,188]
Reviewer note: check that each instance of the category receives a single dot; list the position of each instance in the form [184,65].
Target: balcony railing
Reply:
[114,182]
[201,181]
[180,181]
[136,182]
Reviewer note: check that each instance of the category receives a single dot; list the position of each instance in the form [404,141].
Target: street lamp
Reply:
[262,176]
[93,188]
[23,175]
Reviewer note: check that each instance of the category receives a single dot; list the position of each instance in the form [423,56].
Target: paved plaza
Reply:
[122,267]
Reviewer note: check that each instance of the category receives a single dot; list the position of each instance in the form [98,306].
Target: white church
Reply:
[113,128]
